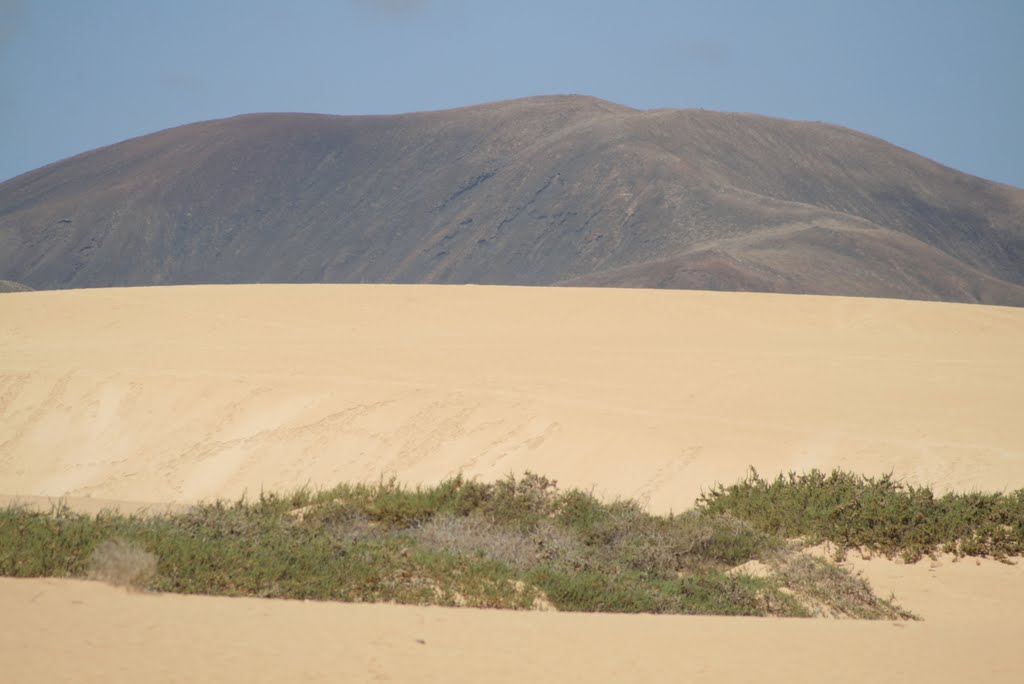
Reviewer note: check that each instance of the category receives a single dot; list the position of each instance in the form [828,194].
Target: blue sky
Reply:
[942,78]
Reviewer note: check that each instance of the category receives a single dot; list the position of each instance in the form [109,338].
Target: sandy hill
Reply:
[173,394]
[185,393]
[538,191]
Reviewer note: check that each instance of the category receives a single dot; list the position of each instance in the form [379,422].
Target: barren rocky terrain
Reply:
[539,191]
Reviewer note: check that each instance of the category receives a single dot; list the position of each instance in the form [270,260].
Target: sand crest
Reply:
[188,393]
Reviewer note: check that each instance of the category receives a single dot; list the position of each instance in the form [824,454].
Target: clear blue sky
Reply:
[942,78]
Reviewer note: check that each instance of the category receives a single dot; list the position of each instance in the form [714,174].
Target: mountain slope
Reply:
[561,189]
[11,286]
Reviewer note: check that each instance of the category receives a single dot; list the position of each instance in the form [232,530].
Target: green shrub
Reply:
[882,514]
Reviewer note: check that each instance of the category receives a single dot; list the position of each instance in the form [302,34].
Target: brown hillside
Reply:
[539,191]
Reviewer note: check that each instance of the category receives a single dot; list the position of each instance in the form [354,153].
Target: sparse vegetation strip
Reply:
[517,543]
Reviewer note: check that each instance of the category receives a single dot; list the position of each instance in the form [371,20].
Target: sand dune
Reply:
[172,395]
[188,393]
[104,634]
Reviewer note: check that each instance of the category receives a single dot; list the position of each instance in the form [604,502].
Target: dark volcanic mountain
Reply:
[549,190]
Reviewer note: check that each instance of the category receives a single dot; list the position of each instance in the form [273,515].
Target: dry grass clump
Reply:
[518,548]
[828,590]
[122,564]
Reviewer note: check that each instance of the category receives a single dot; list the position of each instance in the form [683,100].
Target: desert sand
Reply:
[164,396]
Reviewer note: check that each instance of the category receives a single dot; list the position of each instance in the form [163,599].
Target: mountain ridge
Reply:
[535,191]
